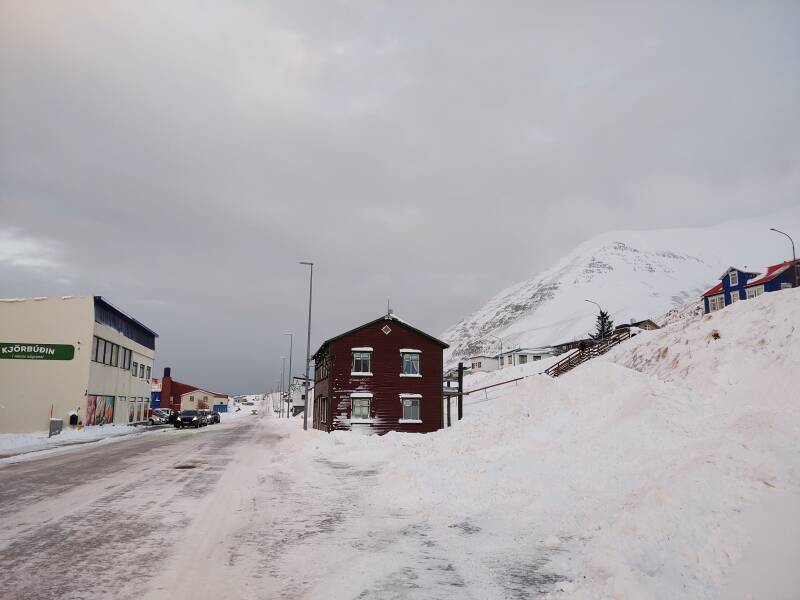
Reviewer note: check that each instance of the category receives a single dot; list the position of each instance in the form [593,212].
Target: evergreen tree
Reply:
[604,326]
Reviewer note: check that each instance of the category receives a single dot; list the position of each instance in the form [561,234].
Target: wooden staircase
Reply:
[578,357]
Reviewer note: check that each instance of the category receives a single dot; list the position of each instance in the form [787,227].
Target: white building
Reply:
[521,356]
[482,363]
[73,356]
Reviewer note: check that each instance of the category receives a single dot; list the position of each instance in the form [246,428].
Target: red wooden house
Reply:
[382,376]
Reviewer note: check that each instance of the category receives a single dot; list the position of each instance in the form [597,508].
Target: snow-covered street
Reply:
[668,468]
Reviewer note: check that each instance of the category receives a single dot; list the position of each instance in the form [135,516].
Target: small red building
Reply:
[382,376]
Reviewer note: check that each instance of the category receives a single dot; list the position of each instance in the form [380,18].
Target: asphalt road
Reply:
[99,520]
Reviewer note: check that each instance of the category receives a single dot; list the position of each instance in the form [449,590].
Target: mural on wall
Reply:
[99,410]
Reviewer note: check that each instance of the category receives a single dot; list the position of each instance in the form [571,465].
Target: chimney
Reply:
[166,389]
[167,371]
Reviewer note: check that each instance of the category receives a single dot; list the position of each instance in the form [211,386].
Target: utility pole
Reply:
[283,371]
[308,340]
[794,256]
[460,391]
[291,341]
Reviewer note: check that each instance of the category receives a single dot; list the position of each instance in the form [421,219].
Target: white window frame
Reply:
[734,294]
[716,302]
[731,275]
[412,352]
[363,350]
[418,398]
[361,396]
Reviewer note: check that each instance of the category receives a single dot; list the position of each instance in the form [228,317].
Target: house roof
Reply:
[773,271]
[389,317]
[714,290]
[729,269]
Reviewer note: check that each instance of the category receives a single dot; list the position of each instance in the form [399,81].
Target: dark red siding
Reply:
[385,384]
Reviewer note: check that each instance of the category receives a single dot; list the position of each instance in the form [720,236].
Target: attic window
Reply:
[734,278]
[386,329]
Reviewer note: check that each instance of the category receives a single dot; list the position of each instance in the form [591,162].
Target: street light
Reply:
[600,308]
[308,338]
[283,370]
[291,341]
[794,256]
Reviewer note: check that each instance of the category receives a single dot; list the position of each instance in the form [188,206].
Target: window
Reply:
[125,360]
[523,358]
[107,358]
[115,356]
[411,405]
[141,371]
[717,302]
[411,364]
[754,292]
[734,296]
[94,348]
[786,286]
[501,361]
[135,368]
[101,350]
[147,373]
[361,408]
[362,362]
[479,364]
[734,278]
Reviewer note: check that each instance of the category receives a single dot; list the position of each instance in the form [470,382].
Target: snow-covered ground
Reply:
[654,471]
[669,468]
[13,444]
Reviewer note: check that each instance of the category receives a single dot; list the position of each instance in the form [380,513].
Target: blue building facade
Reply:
[738,284]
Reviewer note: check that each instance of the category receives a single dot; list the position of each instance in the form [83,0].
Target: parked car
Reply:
[213,417]
[167,414]
[189,418]
[156,419]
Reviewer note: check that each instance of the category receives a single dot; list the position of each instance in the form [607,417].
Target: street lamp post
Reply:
[308,338]
[283,371]
[794,256]
[291,341]
[600,308]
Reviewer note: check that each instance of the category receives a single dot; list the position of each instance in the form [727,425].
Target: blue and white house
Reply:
[738,284]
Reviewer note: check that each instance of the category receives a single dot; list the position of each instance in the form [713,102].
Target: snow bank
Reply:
[639,474]
[19,443]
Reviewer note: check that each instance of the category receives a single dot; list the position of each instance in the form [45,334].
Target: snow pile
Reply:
[632,274]
[21,443]
[648,472]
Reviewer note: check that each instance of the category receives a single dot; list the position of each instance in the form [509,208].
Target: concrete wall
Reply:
[28,388]
[129,390]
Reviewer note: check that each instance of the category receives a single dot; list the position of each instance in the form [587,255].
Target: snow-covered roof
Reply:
[729,269]
[773,271]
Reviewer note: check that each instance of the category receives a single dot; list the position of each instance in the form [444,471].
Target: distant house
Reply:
[644,324]
[482,363]
[738,284]
[385,375]
[521,356]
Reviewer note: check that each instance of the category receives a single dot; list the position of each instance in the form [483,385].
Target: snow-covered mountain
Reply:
[632,274]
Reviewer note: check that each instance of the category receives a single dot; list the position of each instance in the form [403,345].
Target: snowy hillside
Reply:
[669,468]
[632,274]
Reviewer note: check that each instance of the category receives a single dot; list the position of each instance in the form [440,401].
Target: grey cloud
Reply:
[185,156]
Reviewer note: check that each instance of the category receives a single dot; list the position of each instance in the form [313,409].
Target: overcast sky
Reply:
[181,157]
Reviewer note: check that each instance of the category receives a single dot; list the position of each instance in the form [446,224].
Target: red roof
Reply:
[772,272]
[717,289]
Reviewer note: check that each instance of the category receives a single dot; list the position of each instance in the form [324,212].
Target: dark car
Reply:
[213,417]
[189,418]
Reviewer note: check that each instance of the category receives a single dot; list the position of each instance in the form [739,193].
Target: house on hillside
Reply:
[385,375]
[482,363]
[647,324]
[738,284]
[521,356]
